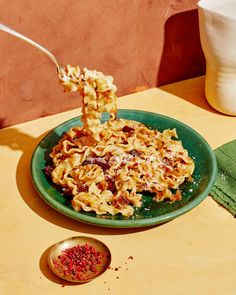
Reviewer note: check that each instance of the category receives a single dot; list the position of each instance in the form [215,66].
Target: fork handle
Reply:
[28,40]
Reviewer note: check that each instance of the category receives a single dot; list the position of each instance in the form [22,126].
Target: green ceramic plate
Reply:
[151,212]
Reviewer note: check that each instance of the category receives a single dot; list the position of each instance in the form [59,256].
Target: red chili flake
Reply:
[116,268]
[80,261]
[131,257]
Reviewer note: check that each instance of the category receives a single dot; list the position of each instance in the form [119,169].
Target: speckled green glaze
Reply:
[151,212]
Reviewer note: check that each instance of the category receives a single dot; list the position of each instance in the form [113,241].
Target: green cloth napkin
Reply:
[224,191]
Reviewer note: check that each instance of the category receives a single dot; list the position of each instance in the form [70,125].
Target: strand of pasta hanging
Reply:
[98,95]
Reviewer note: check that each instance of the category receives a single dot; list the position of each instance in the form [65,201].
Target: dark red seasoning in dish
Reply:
[81,262]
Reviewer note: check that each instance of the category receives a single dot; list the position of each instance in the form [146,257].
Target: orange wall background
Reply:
[141,43]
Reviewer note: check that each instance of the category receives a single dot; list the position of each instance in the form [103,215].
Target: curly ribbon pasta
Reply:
[105,167]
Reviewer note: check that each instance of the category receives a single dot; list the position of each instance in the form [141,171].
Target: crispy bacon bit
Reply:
[166,168]
[127,129]
[111,186]
[82,187]
[97,161]
[120,201]
[62,157]
[135,153]
[167,161]
[69,146]
[80,132]
[107,156]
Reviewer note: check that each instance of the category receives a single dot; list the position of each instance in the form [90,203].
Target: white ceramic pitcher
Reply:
[217,24]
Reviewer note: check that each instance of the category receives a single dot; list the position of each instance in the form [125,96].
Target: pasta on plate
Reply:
[105,167]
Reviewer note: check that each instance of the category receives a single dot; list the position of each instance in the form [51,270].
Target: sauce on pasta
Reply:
[105,167]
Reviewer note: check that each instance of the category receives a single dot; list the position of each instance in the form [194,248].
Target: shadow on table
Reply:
[182,55]
[183,59]
[191,90]
[17,140]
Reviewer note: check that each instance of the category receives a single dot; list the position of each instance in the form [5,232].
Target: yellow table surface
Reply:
[192,254]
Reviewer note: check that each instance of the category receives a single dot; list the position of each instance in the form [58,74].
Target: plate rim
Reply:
[129,223]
